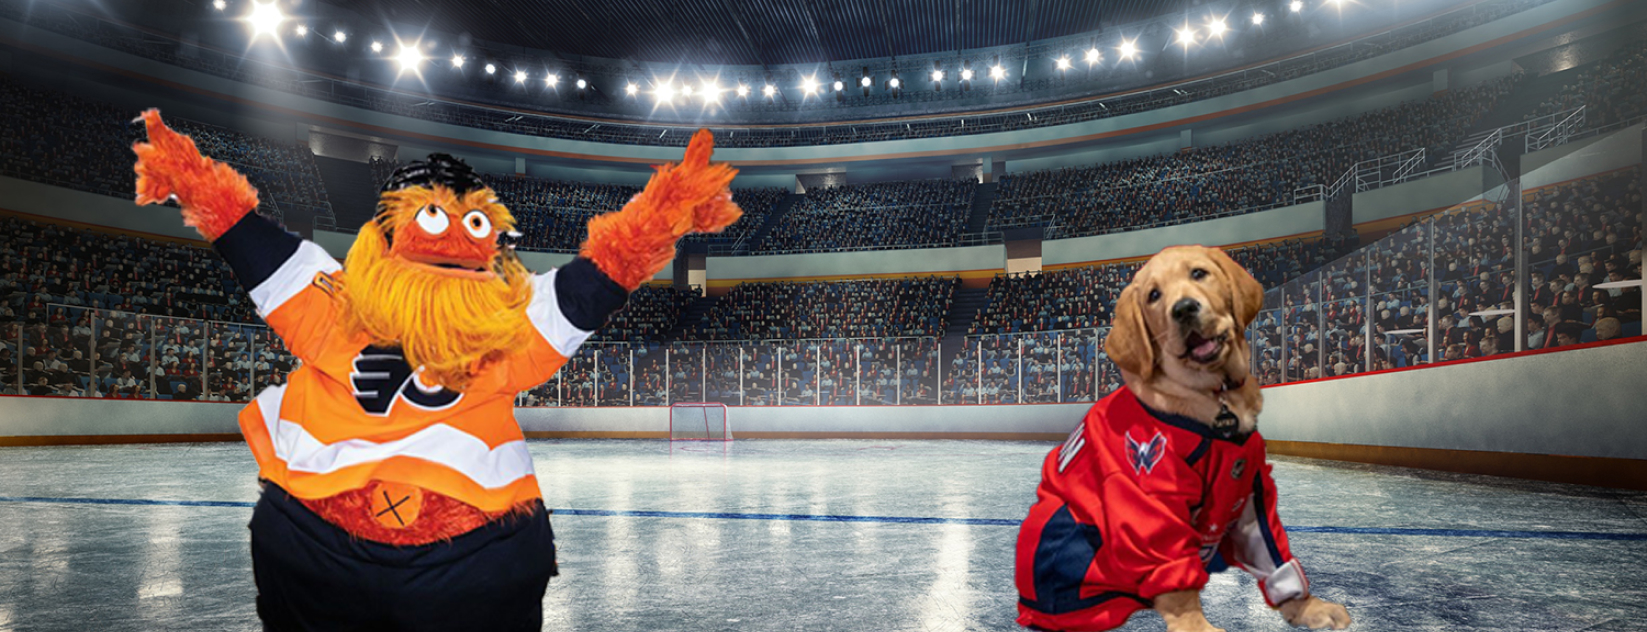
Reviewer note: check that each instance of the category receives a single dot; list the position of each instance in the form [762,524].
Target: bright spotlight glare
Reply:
[711,90]
[743,90]
[377,47]
[966,74]
[520,76]
[302,30]
[894,82]
[1336,3]
[1063,62]
[865,82]
[809,85]
[409,58]
[997,73]
[1257,19]
[1093,56]
[491,69]
[768,90]
[219,5]
[664,92]
[631,89]
[1128,49]
[265,18]
[1186,36]
[1216,27]
[686,91]
[582,84]
[457,61]
[551,79]
[1296,6]
[937,75]
[340,37]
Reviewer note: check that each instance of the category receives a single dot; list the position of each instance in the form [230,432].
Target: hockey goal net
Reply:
[699,421]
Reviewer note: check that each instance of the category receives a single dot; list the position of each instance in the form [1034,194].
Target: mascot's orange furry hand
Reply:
[213,195]
[635,243]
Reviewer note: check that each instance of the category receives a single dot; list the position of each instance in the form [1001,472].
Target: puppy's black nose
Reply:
[1186,309]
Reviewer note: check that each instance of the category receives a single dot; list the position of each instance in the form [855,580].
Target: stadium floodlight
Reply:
[838,85]
[1216,28]
[1336,3]
[302,30]
[582,83]
[220,5]
[1063,62]
[551,79]
[409,57]
[686,90]
[966,74]
[1257,19]
[769,90]
[997,73]
[457,61]
[894,83]
[265,19]
[631,89]
[1296,6]
[340,37]
[809,85]
[711,91]
[1186,36]
[665,92]
[866,82]
[491,69]
[377,47]
[743,90]
[520,76]
[937,75]
[1093,56]
[1128,49]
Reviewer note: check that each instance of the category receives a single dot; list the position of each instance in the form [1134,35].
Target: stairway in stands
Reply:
[350,187]
[982,197]
[965,308]
[690,317]
[772,218]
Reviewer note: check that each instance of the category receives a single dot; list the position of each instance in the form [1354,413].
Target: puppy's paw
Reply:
[1315,613]
[1192,624]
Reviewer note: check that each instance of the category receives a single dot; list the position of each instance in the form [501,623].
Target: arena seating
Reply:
[913,306]
[909,214]
[82,144]
[1245,175]
[650,313]
[1613,90]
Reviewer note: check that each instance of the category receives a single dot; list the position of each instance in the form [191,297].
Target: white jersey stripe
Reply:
[545,314]
[292,277]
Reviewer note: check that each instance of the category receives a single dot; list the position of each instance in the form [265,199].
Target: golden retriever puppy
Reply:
[1164,480]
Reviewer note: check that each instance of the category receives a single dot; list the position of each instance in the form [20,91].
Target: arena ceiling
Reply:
[763,32]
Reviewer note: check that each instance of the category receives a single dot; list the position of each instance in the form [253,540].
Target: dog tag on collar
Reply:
[1226,423]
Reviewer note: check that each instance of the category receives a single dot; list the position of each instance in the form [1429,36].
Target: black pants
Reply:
[313,576]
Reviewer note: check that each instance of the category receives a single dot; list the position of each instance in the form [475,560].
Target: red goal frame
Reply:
[726,421]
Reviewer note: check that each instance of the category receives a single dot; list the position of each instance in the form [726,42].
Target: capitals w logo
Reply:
[381,377]
[1144,456]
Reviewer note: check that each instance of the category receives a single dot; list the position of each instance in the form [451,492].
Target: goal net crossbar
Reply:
[699,421]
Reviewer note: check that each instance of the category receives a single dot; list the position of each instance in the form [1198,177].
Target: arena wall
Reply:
[1588,156]
[1427,194]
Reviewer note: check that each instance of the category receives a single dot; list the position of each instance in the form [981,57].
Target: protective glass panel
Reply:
[760,374]
[274,360]
[1580,235]
[578,378]
[721,374]
[1001,369]
[1344,305]
[1475,278]
[1041,368]
[837,373]
[1107,374]
[917,360]
[962,376]
[612,374]
[180,348]
[1077,353]
[1400,266]
[1264,344]
[798,372]
[67,351]
[650,375]
[1302,319]
[686,364]
[229,362]
[877,372]
[11,357]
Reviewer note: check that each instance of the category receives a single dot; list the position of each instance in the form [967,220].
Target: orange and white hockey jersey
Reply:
[353,413]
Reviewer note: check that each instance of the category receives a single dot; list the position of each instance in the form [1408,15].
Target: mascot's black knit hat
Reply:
[441,169]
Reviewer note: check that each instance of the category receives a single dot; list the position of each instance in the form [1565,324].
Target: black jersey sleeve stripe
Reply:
[255,248]
[586,295]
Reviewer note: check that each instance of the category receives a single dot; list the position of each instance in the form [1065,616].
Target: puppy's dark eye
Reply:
[1154,295]
[1198,274]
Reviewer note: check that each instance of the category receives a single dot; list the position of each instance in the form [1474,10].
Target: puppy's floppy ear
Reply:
[1130,345]
[1247,293]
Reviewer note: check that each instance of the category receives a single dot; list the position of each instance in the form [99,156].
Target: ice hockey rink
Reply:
[822,535]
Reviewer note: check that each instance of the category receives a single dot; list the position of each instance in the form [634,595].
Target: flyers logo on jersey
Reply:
[1144,456]
[381,377]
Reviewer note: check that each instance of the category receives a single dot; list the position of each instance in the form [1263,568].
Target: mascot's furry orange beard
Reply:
[451,326]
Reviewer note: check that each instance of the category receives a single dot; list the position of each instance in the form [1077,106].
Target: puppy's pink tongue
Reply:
[1206,348]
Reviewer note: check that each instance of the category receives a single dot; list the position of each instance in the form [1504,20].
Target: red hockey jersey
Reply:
[1138,503]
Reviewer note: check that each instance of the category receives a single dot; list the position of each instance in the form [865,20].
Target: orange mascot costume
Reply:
[398,492]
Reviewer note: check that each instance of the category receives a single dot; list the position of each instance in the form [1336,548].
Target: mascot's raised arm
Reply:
[398,492]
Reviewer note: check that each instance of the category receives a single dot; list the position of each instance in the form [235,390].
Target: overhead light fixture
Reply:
[1093,56]
[551,79]
[866,82]
[219,5]
[582,83]
[894,83]
[665,92]
[1186,36]
[809,85]
[409,57]
[1257,19]
[937,75]
[838,85]
[769,90]
[1296,6]
[966,74]
[686,90]
[743,90]
[265,19]
[457,61]
[377,47]
[491,69]
[1063,62]
[996,72]
[520,76]
[1216,27]
[340,37]
[1128,49]
[711,90]
[302,30]
[630,89]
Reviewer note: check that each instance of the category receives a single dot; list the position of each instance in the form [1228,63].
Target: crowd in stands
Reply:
[553,215]
[1245,175]
[64,140]
[916,213]
[1071,298]
[1612,90]
[1582,234]
[870,308]
[650,313]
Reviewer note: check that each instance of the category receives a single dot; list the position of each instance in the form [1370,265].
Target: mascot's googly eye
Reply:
[433,220]
[478,224]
